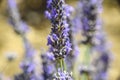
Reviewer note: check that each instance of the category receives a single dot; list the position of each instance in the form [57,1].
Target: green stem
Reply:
[86,61]
[87,55]
[64,65]
[61,64]
[57,64]
[84,77]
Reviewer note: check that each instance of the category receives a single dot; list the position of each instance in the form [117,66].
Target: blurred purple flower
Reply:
[48,66]
[29,51]
[19,26]
[12,3]
[92,31]
[28,66]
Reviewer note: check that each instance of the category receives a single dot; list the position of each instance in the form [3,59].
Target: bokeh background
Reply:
[32,12]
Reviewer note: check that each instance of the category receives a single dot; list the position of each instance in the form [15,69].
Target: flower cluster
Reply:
[28,71]
[21,28]
[93,32]
[48,66]
[71,57]
[63,76]
[103,61]
[58,40]
[88,20]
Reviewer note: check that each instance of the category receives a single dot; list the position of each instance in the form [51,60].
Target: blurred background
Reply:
[32,12]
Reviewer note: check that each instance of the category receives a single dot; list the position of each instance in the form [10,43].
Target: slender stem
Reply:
[84,77]
[64,65]
[87,55]
[57,64]
[61,64]
[86,61]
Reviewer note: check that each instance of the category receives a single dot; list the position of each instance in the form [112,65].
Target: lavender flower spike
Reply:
[48,66]
[63,76]
[28,65]
[19,26]
[58,40]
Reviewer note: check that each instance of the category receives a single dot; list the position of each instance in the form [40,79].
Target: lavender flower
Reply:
[77,18]
[90,25]
[58,40]
[48,68]
[28,65]
[103,61]
[88,18]
[101,46]
[94,36]
[19,26]
[63,76]
[28,71]
[71,57]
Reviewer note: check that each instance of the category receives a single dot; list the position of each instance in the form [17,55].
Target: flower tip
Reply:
[47,15]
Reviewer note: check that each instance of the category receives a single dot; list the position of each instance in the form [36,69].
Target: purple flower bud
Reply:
[49,40]
[68,10]
[55,37]
[48,15]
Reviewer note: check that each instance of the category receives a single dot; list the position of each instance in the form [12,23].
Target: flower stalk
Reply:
[21,28]
[88,17]
[58,40]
